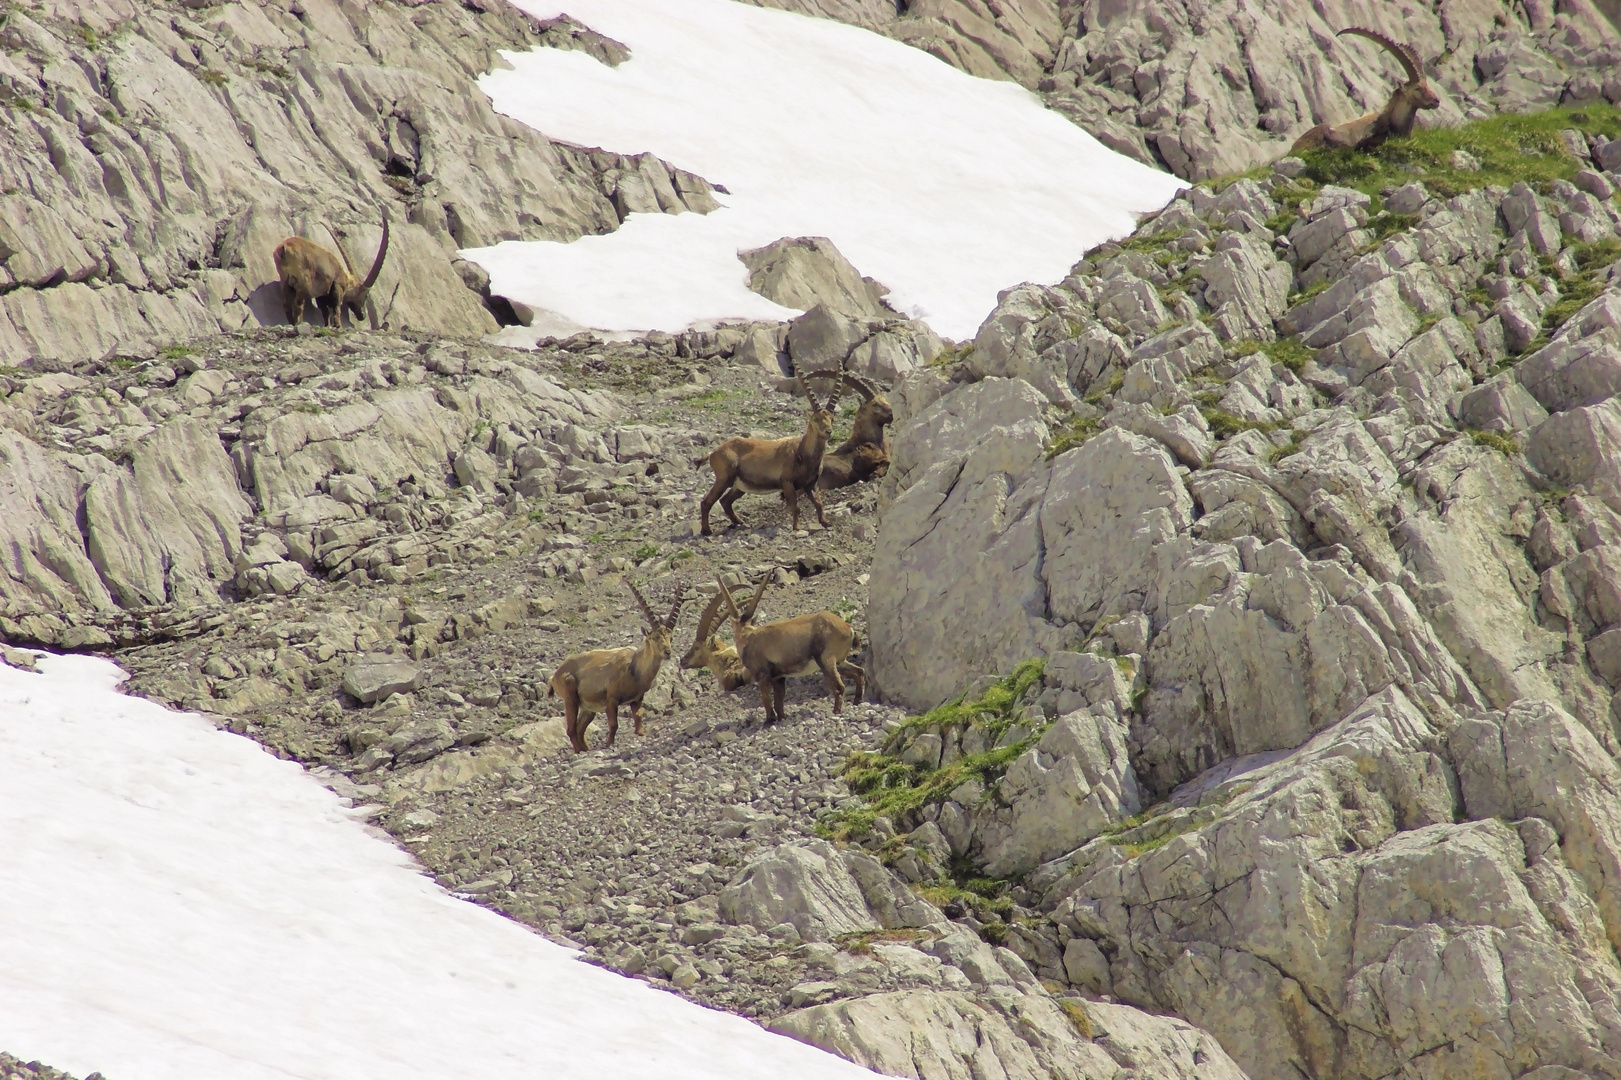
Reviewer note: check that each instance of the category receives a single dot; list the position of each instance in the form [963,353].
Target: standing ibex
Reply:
[1396,118]
[604,679]
[865,454]
[309,271]
[795,646]
[789,466]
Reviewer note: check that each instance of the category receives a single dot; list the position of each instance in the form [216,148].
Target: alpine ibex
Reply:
[309,271]
[789,466]
[709,651]
[604,679]
[865,454]
[795,646]
[1396,118]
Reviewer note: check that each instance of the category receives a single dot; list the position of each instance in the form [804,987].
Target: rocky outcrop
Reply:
[809,271]
[1209,89]
[157,153]
[1324,578]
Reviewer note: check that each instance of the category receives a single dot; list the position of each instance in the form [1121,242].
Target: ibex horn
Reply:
[647,612]
[1403,53]
[675,608]
[754,602]
[706,621]
[861,386]
[725,594]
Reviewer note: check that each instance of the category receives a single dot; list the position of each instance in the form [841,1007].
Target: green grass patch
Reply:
[174,352]
[87,35]
[861,942]
[645,552]
[211,76]
[889,787]
[1496,440]
[1224,425]
[1291,352]
[1510,148]
[1296,437]
[1576,290]
[1306,294]
[1079,1018]
[1386,224]
[1112,386]
[1075,433]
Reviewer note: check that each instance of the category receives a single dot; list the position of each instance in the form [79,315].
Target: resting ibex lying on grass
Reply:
[789,466]
[709,651]
[795,646]
[865,454]
[309,271]
[1396,118]
[604,679]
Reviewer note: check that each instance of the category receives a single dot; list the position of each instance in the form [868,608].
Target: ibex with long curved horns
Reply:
[604,679]
[865,454]
[1396,118]
[788,466]
[796,646]
[309,271]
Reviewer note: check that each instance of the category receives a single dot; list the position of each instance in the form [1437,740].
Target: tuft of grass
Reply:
[1296,437]
[1291,352]
[1386,224]
[645,552]
[211,76]
[87,35]
[1306,294]
[1510,148]
[889,787]
[1496,440]
[1079,429]
[861,942]
[1078,1017]
[1112,386]
[175,352]
[1224,425]
[1576,290]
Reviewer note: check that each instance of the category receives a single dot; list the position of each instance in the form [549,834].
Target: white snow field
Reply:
[944,187]
[177,904]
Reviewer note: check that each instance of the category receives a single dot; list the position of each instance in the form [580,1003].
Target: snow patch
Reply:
[180,905]
[944,187]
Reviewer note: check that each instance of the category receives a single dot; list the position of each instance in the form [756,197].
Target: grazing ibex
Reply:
[709,651]
[1396,118]
[604,679]
[795,646]
[309,271]
[788,466]
[865,454]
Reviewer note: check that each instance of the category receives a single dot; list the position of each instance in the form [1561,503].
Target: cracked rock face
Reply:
[156,153]
[1353,619]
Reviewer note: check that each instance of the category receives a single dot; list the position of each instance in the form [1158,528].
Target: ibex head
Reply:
[709,651]
[741,619]
[658,633]
[873,404]
[1414,94]
[821,416]
[353,291]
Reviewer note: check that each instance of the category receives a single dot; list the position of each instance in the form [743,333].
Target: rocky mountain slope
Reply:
[1242,609]
[1209,88]
[158,152]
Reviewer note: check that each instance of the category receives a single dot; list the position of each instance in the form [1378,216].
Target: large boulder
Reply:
[821,892]
[808,271]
